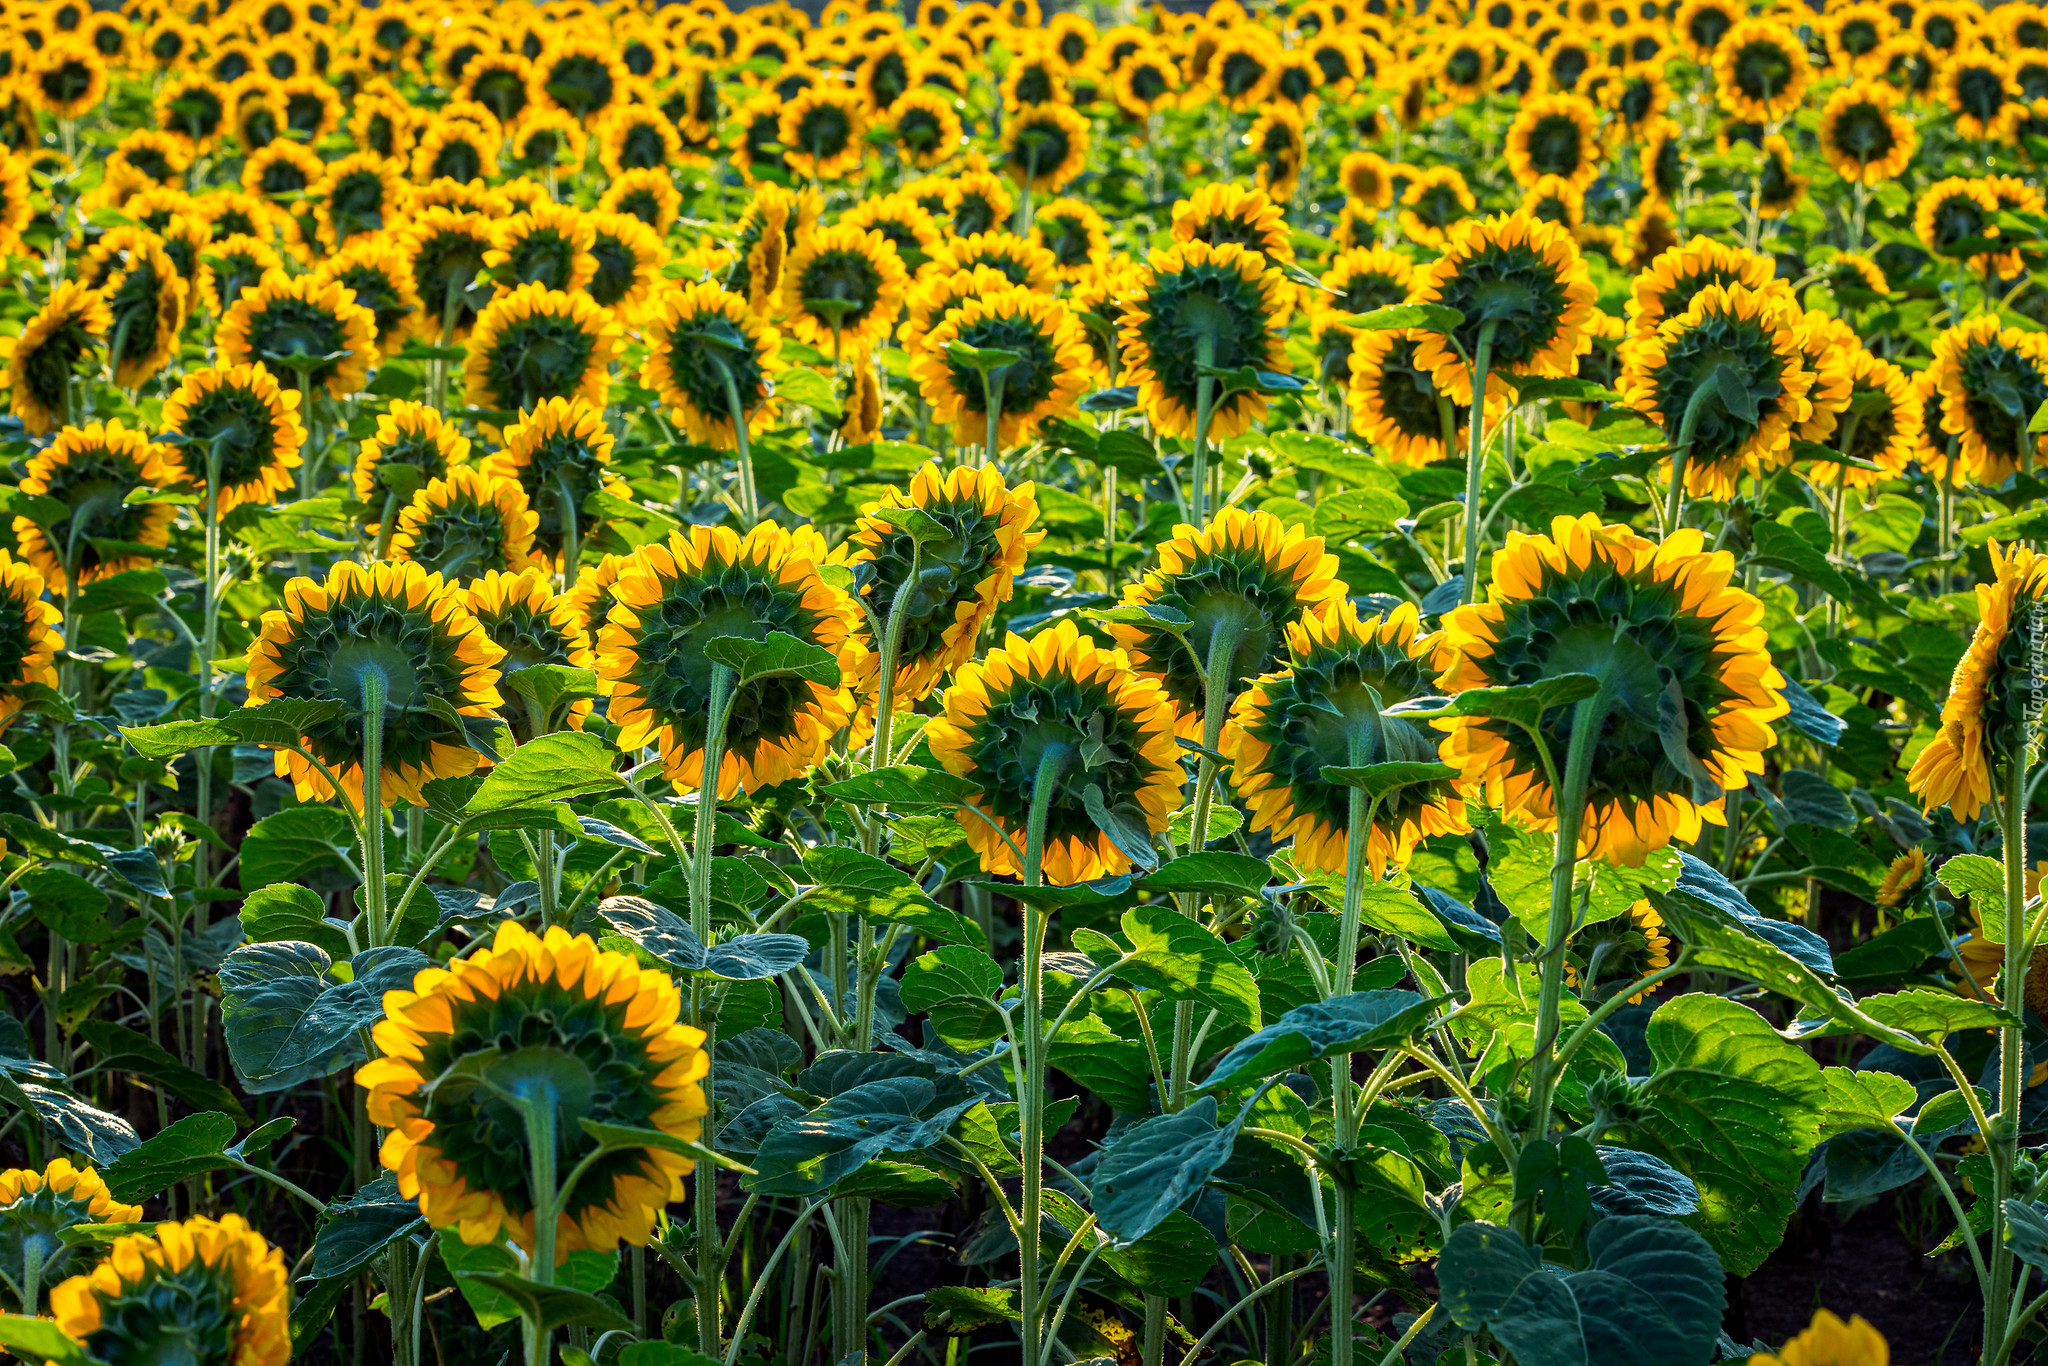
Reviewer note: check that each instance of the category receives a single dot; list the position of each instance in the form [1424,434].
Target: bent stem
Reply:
[1031,1075]
[1674,500]
[1475,460]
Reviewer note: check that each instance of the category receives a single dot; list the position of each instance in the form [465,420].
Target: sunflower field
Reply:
[1343,682]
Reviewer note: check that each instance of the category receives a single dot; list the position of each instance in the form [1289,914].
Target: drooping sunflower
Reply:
[559,454]
[1553,199]
[1058,710]
[412,435]
[533,625]
[194,107]
[455,149]
[1432,206]
[447,249]
[465,524]
[1987,720]
[1676,276]
[1045,147]
[673,597]
[1393,401]
[1700,25]
[552,1019]
[1991,380]
[1279,145]
[938,292]
[241,411]
[637,137]
[846,271]
[92,470]
[1555,135]
[1863,137]
[37,1207]
[1521,285]
[1827,346]
[1075,234]
[697,337]
[1667,633]
[760,247]
[282,170]
[1242,578]
[146,297]
[308,328]
[582,76]
[1952,213]
[1195,304]
[1053,371]
[44,361]
[961,582]
[590,597]
[29,639]
[197,1290]
[1761,70]
[822,132]
[357,196]
[1325,703]
[1882,427]
[908,225]
[860,402]
[533,344]
[1725,336]
[1146,82]
[547,141]
[396,620]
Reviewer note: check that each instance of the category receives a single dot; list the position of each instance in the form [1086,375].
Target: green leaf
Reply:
[552,768]
[356,1229]
[39,1340]
[288,1021]
[288,845]
[807,387]
[1354,1022]
[960,1310]
[860,884]
[658,930]
[2026,1228]
[188,1147]
[1981,879]
[1933,1015]
[553,1306]
[957,987]
[1396,317]
[1211,873]
[117,592]
[903,786]
[781,655]
[1157,1166]
[1862,1100]
[1380,779]
[1180,959]
[808,1154]
[1223,822]
[286,910]
[1394,910]
[125,1050]
[68,905]
[919,525]
[1780,547]
[1736,1108]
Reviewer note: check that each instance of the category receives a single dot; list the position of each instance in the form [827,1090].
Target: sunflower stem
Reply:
[375,688]
[1343,1253]
[1031,1075]
[384,520]
[885,688]
[1205,403]
[539,1114]
[1688,424]
[1475,463]
[992,402]
[710,1247]
[750,506]
[572,540]
[2003,1140]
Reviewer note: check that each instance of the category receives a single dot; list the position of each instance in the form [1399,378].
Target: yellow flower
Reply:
[1676,276]
[1861,136]
[146,297]
[254,423]
[559,453]
[649,195]
[1981,369]
[36,1207]
[1393,401]
[822,132]
[1902,879]
[1045,147]
[1523,277]
[842,287]
[306,318]
[1051,374]
[1223,213]
[533,344]
[44,360]
[1761,70]
[1434,203]
[91,470]
[1193,296]
[202,1289]
[1555,135]
[1985,720]
[466,524]
[554,1019]
[697,336]
[1831,1342]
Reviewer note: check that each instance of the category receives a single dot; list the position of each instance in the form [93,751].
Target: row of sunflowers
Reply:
[1336,682]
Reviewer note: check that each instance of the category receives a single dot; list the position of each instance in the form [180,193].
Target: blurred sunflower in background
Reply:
[465,524]
[243,413]
[205,1289]
[92,471]
[43,363]
[309,329]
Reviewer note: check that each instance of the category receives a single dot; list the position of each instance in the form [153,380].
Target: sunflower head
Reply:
[1828,1339]
[533,625]
[1522,287]
[465,524]
[1057,709]
[1393,400]
[1223,214]
[1433,204]
[673,598]
[243,414]
[549,245]
[146,296]
[549,1020]
[822,132]
[204,1290]
[700,337]
[45,359]
[1863,137]
[92,470]
[958,584]
[1687,684]
[307,328]
[411,435]
[1239,581]
[1990,378]
[1676,275]
[1052,370]
[36,1207]
[1555,135]
[842,287]
[629,259]
[1326,703]
[376,271]
[1194,306]
[1761,70]
[559,454]
[1045,147]
[446,248]
[533,344]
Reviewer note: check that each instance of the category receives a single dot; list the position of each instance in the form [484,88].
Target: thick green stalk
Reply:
[750,504]
[710,1248]
[1205,404]
[375,688]
[1475,460]
[2003,1141]
[541,1139]
[992,403]
[1031,1073]
[1357,835]
[1674,500]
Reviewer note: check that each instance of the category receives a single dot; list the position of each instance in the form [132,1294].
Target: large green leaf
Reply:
[189,1147]
[289,845]
[358,1228]
[39,1340]
[286,910]
[861,884]
[68,905]
[288,1021]
[124,1050]
[1178,958]
[956,986]
[1736,1108]
[1157,1165]
[552,768]
[807,1154]
[553,1306]
[1350,1023]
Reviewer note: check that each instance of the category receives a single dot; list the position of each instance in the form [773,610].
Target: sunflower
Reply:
[1045,147]
[1991,379]
[1886,433]
[1369,181]
[548,141]
[37,1207]
[1667,635]
[961,582]
[1022,261]
[1521,282]
[161,157]
[254,424]
[198,1290]
[1978,88]
[306,318]
[1146,82]
[1075,234]
[589,599]
[584,1031]
[502,82]
[446,248]
[650,196]
[1196,305]
[822,132]
[533,625]
[146,296]
[926,128]
[412,435]
[1761,70]
[91,471]
[1677,275]
[312,110]
[1279,146]
[1555,135]
[937,293]
[533,344]
[1367,278]
[1393,401]
[376,271]
[637,137]
[454,149]
[282,171]
[581,76]
[1987,721]
[1682,370]
[908,225]
[29,640]
[1700,25]
[1553,199]
[1955,211]
[1828,1341]
[1242,578]
[1241,72]
[558,453]
[356,196]
[1434,203]
[66,79]
[760,245]
[698,336]
[842,286]
[1326,702]
[672,597]
[978,200]
[384,125]
[43,363]
[1053,370]
[466,524]
[549,245]
[1056,710]
[410,627]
